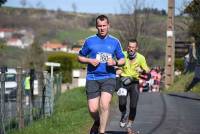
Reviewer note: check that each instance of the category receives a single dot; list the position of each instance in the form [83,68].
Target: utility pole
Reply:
[170,47]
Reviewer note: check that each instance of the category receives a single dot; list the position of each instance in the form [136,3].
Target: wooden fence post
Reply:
[20,111]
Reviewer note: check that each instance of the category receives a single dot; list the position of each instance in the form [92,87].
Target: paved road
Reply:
[162,114]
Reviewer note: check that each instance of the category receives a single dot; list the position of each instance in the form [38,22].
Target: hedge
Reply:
[68,63]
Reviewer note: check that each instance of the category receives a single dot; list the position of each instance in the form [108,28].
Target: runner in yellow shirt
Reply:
[27,88]
[129,78]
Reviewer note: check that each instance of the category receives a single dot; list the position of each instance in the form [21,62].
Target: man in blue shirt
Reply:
[101,52]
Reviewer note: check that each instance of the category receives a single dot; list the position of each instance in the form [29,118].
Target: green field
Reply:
[12,56]
[70,116]
[74,35]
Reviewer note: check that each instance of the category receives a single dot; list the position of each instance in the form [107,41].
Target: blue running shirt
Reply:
[101,49]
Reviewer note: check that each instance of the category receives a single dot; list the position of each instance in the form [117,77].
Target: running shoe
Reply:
[95,128]
[123,120]
[130,129]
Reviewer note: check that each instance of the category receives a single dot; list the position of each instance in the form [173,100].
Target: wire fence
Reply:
[17,108]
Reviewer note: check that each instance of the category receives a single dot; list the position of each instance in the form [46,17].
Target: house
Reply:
[48,46]
[6,33]
[75,49]
[28,39]
[16,42]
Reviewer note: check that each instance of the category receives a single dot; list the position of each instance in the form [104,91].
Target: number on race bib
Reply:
[103,57]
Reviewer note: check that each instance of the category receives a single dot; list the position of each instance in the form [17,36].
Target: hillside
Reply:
[45,23]
[61,26]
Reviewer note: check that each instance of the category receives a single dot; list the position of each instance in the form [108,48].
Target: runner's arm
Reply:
[87,60]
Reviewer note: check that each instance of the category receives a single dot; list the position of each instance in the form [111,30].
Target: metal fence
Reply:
[16,111]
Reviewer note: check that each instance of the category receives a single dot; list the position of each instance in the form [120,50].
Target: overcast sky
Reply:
[93,6]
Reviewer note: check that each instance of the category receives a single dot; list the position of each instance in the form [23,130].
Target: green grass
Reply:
[181,82]
[70,116]
[74,35]
[13,56]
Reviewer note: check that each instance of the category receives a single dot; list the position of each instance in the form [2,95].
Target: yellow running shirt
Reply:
[132,67]
[27,83]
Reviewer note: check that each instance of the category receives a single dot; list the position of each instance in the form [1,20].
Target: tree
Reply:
[193,9]
[2,2]
[136,22]
[23,3]
[74,7]
[132,24]
[35,57]
[40,5]
[182,22]
[2,53]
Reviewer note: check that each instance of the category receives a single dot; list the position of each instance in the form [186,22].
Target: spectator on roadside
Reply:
[101,52]
[196,77]
[157,79]
[195,80]
[154,77]
[190,59]
[27,88]
[186,63]
[135,66]
[144,82]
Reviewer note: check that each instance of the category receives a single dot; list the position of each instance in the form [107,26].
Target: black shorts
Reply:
[27,92]
[95,87]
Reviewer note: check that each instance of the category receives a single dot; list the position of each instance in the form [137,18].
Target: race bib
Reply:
[122,92]
[103,57]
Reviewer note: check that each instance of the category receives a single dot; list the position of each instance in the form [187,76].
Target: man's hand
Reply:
[111,62]
[94,62]
[139,69]
[145,76]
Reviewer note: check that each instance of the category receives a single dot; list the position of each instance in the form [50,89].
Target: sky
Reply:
[94,6]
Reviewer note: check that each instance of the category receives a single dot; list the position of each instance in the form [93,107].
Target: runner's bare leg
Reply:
[93,106]
[105,100]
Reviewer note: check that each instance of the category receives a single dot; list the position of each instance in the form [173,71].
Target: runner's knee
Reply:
[93,110]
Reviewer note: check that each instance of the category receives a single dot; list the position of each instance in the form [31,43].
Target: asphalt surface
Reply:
[160,113]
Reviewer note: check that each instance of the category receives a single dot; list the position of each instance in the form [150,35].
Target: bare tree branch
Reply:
[133,22]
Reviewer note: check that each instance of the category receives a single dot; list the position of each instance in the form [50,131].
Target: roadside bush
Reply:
[179,64]
[75,63]
[68,63]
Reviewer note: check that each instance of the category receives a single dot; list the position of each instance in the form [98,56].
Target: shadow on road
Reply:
[185,97]
[115,132]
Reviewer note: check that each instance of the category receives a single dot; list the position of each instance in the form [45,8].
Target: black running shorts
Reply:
[95,87]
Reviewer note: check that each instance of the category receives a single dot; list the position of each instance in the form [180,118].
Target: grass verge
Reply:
[181,82]
[70,116]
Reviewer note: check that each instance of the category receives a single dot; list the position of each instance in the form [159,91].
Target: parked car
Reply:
[10,84]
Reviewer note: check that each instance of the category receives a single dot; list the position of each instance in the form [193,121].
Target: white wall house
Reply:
[5,33]
[54,47]
[15,42]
